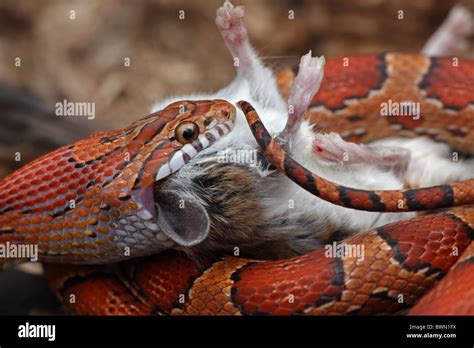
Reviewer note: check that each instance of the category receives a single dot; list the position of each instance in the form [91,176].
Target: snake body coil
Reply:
[424,263]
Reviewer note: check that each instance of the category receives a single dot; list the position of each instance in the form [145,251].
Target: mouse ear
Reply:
[183,220]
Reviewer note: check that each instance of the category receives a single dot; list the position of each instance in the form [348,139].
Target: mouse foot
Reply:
[305,85]
[230,24]
[451,36]
[262,84]
[331,148]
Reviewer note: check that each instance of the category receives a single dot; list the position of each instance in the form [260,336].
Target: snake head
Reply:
[170,138]
[95,200]
[164,142]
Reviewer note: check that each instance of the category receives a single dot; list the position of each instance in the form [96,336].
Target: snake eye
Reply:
[186,132]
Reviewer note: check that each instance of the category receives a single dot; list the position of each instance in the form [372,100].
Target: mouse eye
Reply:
[186,132]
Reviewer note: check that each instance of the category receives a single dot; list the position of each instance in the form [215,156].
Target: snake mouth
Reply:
[174,218]
[183,219]
[215,131]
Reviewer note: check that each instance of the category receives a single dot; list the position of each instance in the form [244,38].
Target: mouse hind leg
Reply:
[262,83]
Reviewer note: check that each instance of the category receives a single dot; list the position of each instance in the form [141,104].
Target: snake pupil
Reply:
[188,133]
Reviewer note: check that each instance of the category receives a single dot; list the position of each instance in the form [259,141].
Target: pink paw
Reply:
[451,37]
[310,74]
[229,21]
[462,21]
[331,148]
[305,86]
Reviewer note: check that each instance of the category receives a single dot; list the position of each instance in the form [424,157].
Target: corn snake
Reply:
[168,283]
[87,201]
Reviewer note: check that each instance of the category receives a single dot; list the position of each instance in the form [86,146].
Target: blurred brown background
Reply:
[82,59]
